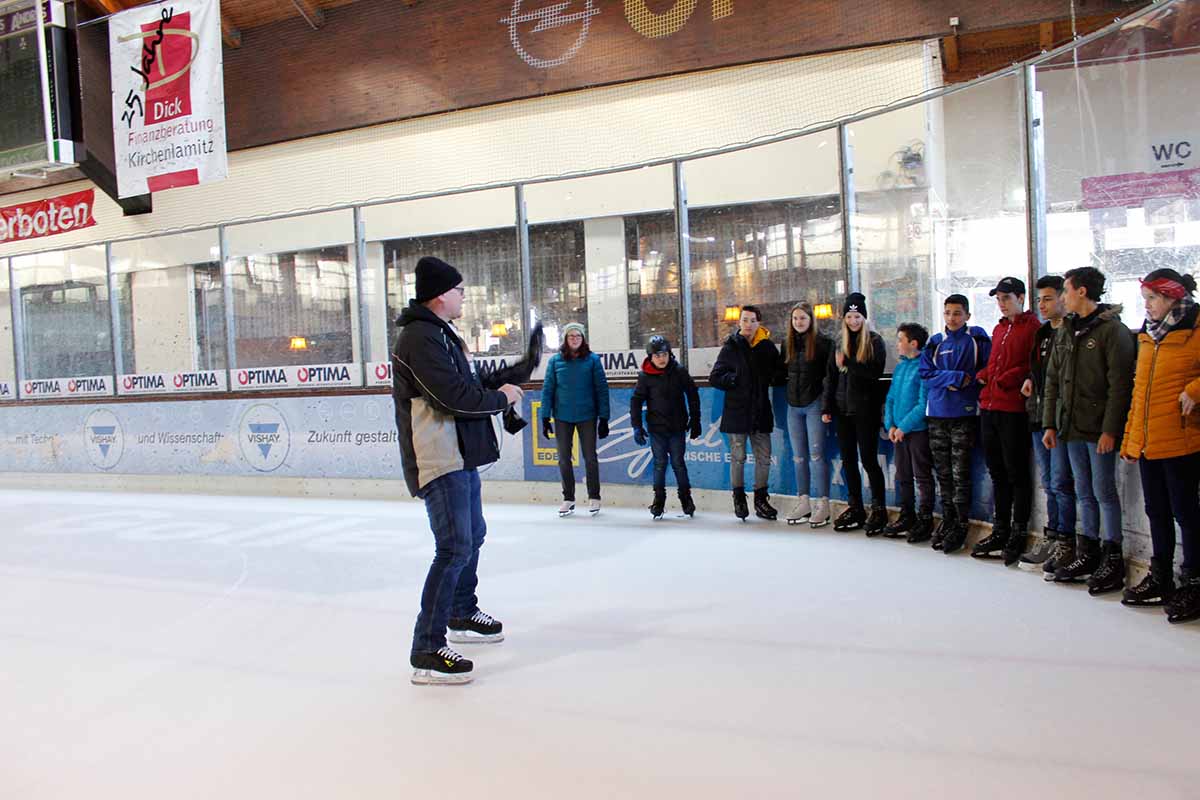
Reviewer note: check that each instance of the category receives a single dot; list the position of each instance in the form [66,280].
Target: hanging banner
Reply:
[168,96]
[47,217]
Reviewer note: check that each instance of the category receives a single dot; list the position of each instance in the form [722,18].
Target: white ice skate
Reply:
[593,507]
[801,511]
[567,508]
[820,513]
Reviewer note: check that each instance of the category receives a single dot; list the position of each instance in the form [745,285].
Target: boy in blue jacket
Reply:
[904,421]
[949,366]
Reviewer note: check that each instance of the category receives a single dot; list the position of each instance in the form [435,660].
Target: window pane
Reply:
[765,228]
[604,252]
[294,291]
[474,232]
[65,314]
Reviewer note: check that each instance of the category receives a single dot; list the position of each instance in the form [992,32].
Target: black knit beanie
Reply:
[434,278]
[855,302]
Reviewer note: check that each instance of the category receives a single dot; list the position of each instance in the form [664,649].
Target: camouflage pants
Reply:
[951,441]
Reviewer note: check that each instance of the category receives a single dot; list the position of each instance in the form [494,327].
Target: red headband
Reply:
[1167,288]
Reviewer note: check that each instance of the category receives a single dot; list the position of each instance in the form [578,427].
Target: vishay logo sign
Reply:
[264,438]
[103,439]
[171,383]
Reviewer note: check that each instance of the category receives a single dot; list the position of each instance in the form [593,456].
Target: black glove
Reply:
[639,436]
[730,381]
[602,429]
[547,427]
[513,422]
[695,429]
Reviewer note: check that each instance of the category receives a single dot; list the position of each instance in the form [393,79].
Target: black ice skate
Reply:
[686,503]
[1064,553]
[1016,544]
[851,519]
[901,525]
[479,628]
[955,538]
[1110,574]
[1156,589]
[877,521]
[1035,557]
[659,503]
[443,667]
[949,520]
[762,508]
[991,546]
[740,509]
[922,529]
[1185,605]
[1087,560]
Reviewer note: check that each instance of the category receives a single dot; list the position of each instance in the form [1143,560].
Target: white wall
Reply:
[607,283]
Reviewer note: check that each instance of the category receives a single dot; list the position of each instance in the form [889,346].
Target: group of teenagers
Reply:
[1072,391]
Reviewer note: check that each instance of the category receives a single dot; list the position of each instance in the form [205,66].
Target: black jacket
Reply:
[856,389]
[746,375]
[442,410]
[1043,346]
[663,394]
[806,379]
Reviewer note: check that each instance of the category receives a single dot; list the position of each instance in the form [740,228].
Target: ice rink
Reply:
[159,646]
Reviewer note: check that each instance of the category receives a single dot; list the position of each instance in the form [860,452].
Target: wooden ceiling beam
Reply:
[950,46]
[106,6]
[1046,35]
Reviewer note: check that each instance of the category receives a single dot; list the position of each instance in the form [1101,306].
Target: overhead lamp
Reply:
[733,313]
[823,311]
[298,343]
[499,329]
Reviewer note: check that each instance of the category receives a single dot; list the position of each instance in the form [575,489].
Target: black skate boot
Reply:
[1185,605]
[1064,553]
[877,521]
[1016,544]
[956,538]
[851,519]
[443,666]
[1156,589]
[1087,559]
[922,529]
[902,524]
[660,502]
[740,509]
[686,502]
[478,628]
[762,508]
[949,520]
[1039,553]
[1110,573]
[991,545]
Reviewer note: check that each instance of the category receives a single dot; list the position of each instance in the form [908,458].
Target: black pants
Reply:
[858,435]
[951,440]
[914,464]
[564,434]
[1169,486]
[1007,448]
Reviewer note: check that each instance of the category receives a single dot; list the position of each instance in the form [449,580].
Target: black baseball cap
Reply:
[1010,285]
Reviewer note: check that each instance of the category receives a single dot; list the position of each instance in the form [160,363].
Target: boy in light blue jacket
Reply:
[904,421]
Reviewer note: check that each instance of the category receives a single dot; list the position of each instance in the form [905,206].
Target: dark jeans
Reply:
[858,434]
[1006,448]
[951,440]
[669,446]
[455,510]
[914,464]
[1170,487]
[564,435]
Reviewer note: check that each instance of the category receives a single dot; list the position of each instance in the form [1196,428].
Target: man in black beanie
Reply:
[445,432]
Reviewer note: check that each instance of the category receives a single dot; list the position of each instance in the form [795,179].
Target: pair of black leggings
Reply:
[1006,448]
[858,435]
[564,434]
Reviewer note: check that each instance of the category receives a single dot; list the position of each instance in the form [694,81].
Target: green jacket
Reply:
[1089,379]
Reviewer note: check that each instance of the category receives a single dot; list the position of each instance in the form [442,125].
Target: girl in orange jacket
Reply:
[1162,435]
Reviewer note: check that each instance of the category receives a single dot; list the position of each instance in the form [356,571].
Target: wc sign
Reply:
[1173,153]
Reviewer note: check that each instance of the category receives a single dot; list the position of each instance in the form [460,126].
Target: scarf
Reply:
[1158,330]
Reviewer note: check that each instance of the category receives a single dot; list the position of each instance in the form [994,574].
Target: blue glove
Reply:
[639,436]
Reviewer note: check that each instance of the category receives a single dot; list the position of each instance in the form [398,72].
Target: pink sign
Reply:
[1134,188]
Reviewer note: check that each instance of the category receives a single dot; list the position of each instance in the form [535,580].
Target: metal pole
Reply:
[527,308]
[846,187]
[1035,175]
[114,321]
[230,322]
[682,232]
[18,327]
[360,262]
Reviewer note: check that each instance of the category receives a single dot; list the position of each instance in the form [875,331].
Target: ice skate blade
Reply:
[562,514]
[1030,566]
[796,521]
[471,637]
[656,517]
[684,515]
[988,555]
[1048,577]
[1153,601]
[427,677]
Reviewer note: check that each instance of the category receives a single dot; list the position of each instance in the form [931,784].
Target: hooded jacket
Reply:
[746,371]
[950,367]
[575,389]
[1156,426]
[443,413]
[806,379]
[1008,364]
[1090,376]
[906,398]
[855,389]
[664,392]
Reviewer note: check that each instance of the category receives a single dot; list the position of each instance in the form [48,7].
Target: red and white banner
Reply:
[168,95]
[313,376]
[88,386]
[6,391]
[55,215]
[379,373]
[172,382]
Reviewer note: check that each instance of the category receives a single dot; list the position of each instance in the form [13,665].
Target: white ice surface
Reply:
[175,647]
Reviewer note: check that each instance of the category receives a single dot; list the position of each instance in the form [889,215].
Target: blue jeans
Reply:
[807,432]
[1059,484]
[666,446]
[455,510]
[1096,489]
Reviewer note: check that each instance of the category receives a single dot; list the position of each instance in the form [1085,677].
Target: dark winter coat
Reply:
[1008,364]
[806,379]
[575,389]
[1089,380]
[950,366]
[746,372]
[442,411]
[856,389]
[670,396]
[1039,358]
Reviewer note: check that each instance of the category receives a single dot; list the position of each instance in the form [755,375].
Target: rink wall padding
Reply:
[354,437]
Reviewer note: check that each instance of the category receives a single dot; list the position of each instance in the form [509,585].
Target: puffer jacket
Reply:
[856,389]
[1090,376]
[907,397]
[1039,358]
[806,379]
[1008,364]
[950,367]
[664,392]
[746,371]
[575,389]
[1156,426]
[442,411]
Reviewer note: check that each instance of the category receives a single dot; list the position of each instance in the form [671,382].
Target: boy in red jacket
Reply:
[1005,423]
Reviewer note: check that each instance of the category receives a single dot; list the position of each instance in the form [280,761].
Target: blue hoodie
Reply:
[905,405]
[950,360]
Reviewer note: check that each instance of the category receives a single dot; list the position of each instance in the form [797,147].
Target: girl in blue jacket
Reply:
[575,400]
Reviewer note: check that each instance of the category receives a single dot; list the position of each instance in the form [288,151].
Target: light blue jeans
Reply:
[1096,490]
[1059,484]
[807,432]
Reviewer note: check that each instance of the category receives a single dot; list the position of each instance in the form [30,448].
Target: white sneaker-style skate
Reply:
[801,511]
[594,507]
[567,508]
[820,513]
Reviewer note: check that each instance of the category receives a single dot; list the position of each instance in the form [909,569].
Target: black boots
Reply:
[877,521]
[902,525]
[1064,553]
[660,502]
[851,519]
[763,509]
[1110,573]
[1185,605]
[686,503]
[922,529]
[740,509]
[1087,560]
[956,537]
[948,523]
[1015,545]
[1156,589]
[991,546]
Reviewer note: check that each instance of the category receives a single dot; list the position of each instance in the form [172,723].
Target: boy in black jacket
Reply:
[663,384]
